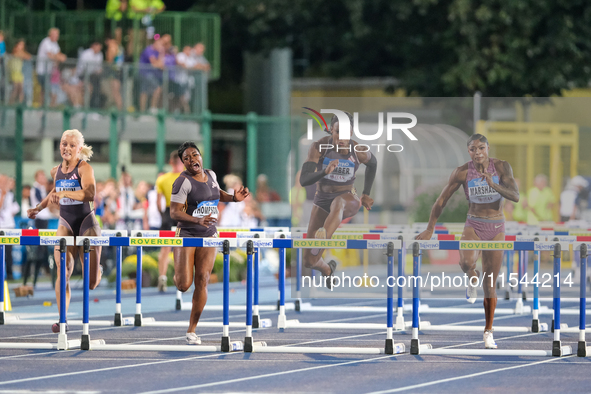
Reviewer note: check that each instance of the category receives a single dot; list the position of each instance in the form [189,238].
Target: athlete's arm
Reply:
[88,186]
[239,195]
[507,186]
[309,175]
[456,179]
[371,165]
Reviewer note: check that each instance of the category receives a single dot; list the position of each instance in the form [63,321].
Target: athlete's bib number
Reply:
[68,185]
[205,208]
[344,172]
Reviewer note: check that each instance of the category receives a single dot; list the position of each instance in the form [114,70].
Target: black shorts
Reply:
[167,222]
[324,200]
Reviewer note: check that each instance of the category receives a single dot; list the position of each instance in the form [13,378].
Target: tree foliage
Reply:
[434,47]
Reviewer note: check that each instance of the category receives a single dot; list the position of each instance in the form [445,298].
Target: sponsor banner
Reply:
[257,243]
[563,238]
[97,241]
[279,234]
[528,238]
[251,234]
[433,245]
[113,233]
[149,241]
[486,245]
[324,244]
[381,244]
[9,240]
[55,240]
[12,232]
[47,233]
[145,233]
[550,245]
[215,242]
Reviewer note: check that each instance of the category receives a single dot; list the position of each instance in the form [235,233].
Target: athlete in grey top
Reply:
[193,204]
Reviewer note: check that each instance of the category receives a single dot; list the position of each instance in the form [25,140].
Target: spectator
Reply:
[40,255]
[568,198]
[56,82]
[127,201]
[8,208]
[186,63]
[297,198]
[264,192]
[48,53]
[70,85]
[2,45]
[540,201]
[15,70]
[231,214]
[152,209]
[201,62]
[151,66]
[114,58]
[25,200]
[91,62]
[110,197]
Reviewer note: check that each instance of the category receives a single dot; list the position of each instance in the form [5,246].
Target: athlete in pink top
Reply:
[486,181]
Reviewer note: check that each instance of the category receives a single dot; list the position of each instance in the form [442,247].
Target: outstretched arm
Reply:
[455,181]
[507,186]
[309,175]
[371,165]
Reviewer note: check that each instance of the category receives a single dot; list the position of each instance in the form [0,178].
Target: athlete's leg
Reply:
[71,253]
[344,206]
[468,258]
[204,260]
[492,260]
[312,258]
[90,228]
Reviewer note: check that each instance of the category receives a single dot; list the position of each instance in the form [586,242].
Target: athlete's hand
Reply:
[56,197]
[488,177]
[367,202]
[331,166]
[241,194]
[206,220]
[425,235]
[32,213]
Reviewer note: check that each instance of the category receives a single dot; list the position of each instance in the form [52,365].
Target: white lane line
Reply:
[60,375]
[198,386]
[472,375]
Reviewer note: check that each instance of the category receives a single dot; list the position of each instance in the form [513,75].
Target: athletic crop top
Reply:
[71,209]
[200,199]
[344,174]
[477,189]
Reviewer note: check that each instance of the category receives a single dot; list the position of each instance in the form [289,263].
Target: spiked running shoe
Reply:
[193,339]
[489,342]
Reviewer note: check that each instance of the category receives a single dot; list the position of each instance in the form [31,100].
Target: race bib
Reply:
[480,192]
[344,172]
[68,185]
[205,208]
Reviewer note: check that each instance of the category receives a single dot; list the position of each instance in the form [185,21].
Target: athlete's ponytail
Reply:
[86,152]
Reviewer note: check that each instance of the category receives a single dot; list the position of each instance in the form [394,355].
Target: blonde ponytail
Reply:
[86,152]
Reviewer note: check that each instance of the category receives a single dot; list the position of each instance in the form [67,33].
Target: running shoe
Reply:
[320,233]
[193,339]
[489,342]
[55,328]
[471,293]
[333,266]
[162,279]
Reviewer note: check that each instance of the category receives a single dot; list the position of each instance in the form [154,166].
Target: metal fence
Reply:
[79,29]
[130,88]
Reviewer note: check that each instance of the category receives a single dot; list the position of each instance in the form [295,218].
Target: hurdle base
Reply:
[282,322]
[297,305]
[389,347]
[179,305]
[414,346]
[552,326]
[582,349]
[524,296]
[278,304]
[535,325]
[62,342]
[248,345]
[226,344]
[255,321]
[117,320]
[85,342]
[556,349]
[2,318]
[507,295]
[138,320]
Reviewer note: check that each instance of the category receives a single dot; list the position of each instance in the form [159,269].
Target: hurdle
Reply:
[225,346]
[557,349]
[158,238]
[62,341]
[250,346]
